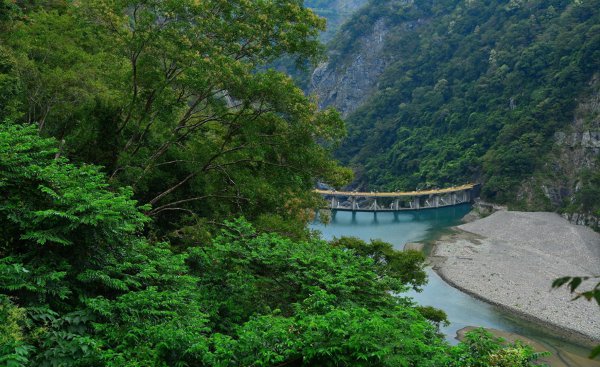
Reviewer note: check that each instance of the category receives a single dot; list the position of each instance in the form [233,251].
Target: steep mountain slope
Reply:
[470,90]
[569,178]
[358,57]
[349,85]
[335,11]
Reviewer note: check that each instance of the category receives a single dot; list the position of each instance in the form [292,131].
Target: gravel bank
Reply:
[511,258]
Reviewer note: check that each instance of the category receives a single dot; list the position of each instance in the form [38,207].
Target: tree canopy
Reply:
[155,182]
[169,98]
[82,287]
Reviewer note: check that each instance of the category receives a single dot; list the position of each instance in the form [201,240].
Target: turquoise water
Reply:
[462,309]
[395,228]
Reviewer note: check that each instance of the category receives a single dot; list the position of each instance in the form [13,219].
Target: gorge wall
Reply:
[335,11]
[437,93]
[569,178]
[346,85]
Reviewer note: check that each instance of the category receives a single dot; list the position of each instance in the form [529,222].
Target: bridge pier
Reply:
[416,203]
[353,203]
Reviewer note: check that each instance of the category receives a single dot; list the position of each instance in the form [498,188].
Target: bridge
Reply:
[398,201]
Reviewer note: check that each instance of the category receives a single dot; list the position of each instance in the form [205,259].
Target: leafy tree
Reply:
[481,349]
[173,99]
[405,265]
[72,260]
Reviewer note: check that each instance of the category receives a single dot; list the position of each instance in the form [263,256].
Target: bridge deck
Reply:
[397,194]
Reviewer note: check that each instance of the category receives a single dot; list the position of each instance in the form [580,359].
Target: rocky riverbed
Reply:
[511,258]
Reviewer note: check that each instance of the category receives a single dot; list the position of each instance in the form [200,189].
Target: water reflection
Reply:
[396,228]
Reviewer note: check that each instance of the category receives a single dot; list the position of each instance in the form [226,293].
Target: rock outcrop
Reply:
[348,83]
[336,12]
[576,150]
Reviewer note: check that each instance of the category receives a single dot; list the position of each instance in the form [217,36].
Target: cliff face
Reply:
[335,11]
[358,53]
[347,85]
[561,181]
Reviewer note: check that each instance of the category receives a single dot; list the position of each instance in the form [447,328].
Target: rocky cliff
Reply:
[358,54]
[561,181]
[336,12]
[346,85]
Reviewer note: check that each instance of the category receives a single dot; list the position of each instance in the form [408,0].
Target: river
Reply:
[462,309]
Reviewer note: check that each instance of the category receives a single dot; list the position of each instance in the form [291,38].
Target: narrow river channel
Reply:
[462,309]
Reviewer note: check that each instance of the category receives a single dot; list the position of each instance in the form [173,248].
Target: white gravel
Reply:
[511,258]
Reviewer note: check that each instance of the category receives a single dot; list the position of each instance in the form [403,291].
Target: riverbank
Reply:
[558,358]
[511,258]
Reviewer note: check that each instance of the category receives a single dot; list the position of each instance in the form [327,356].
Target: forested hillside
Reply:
[475,90]
[335,11]
[156,181]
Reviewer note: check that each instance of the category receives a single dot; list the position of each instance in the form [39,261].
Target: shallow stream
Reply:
[462,309]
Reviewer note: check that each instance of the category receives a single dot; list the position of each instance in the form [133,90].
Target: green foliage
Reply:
[14,352]
[573,284]
[55,216]
[72,260]
[9,85]
[173,99]
[436,316]
[481,349]
[242,271]
[588,198]
[404,265]
[475,90]
[325,335]
[164,103]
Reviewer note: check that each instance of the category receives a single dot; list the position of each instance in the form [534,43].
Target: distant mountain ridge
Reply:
[444,92]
